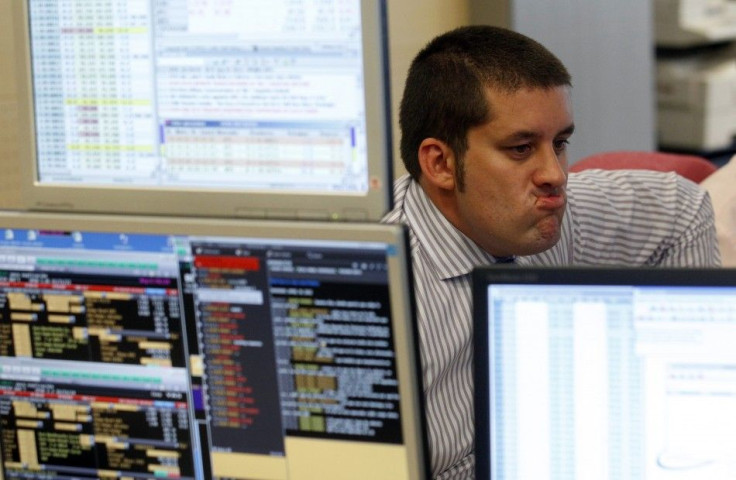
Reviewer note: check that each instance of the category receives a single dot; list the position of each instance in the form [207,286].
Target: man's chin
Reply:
[537,247]
[547,236]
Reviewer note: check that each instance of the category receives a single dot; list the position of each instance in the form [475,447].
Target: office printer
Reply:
[684,23]
[696,100]
[696,74]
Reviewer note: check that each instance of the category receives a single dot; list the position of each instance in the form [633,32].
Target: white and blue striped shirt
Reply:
[620,217]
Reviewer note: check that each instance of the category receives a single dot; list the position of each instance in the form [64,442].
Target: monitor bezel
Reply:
[395,236]
[510,274]
[183,201]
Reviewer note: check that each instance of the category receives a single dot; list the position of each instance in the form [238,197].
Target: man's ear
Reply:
[437,161]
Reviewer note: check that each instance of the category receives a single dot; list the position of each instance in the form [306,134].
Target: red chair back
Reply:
[689,166]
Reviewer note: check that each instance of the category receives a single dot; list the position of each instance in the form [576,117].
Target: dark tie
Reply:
[505,259]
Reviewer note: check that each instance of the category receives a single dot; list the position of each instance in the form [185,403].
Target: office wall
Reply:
[608,48]
[8,111]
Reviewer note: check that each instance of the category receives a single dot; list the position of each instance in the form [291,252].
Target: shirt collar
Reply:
[448,250]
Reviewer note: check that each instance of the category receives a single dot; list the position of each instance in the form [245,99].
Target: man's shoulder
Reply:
[605,196]
[596,183]
[622,176]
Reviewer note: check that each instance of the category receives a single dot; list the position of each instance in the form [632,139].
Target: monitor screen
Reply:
[605,373]
[226,108]
[144,347]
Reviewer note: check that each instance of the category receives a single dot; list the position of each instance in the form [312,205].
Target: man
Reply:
[723,195]
[486,118]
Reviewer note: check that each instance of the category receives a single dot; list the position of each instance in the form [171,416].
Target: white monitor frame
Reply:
[250,202]
[327,458]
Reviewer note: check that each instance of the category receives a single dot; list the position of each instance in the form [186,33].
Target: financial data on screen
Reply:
[280,98]
[612,382]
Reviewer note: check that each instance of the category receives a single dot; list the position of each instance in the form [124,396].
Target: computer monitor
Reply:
[276,109]
[144,347]
[605,373]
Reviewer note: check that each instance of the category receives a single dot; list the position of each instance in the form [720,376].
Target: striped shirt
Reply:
[618,217]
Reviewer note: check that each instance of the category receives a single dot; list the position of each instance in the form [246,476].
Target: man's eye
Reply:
[561,145]
[521,149]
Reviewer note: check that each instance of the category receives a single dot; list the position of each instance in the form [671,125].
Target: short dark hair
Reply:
[445,90]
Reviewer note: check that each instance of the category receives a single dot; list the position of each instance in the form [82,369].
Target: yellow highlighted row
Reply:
[119,30]
[107,102]
[112,148]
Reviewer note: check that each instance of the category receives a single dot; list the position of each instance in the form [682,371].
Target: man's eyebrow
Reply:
[523,135]
[567,131]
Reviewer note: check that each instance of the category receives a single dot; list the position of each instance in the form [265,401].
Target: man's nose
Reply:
[552,168]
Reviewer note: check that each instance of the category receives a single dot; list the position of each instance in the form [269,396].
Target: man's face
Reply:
[515,172]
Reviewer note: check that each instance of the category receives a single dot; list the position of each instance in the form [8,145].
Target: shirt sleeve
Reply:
[641,218]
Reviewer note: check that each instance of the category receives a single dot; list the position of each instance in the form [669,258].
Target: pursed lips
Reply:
[551,201]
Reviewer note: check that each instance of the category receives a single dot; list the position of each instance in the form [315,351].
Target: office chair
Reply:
[689,166]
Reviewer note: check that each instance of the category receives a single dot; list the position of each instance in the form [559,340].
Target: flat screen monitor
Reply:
[276,109]
[147,348]
[605,373]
